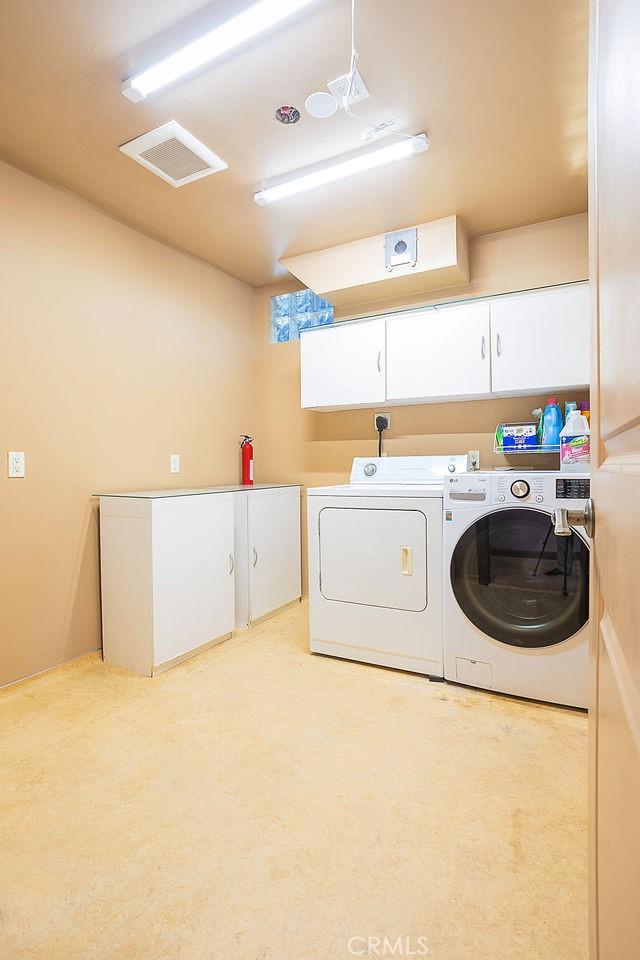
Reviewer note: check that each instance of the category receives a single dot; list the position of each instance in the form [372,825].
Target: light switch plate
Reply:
[175,463]
[15,464]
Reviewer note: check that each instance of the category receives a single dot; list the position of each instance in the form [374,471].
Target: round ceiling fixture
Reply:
[321,105]
[287,114]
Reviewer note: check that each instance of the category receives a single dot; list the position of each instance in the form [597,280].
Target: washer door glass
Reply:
[518,582]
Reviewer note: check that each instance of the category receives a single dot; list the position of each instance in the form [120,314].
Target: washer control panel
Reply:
[518,488]
[544,489]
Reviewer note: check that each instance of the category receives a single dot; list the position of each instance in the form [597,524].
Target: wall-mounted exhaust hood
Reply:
[355,273]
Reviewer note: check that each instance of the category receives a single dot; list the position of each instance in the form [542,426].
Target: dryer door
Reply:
[517,582]
[376,557]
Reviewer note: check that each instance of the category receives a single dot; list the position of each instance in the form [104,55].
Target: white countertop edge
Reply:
[192,491]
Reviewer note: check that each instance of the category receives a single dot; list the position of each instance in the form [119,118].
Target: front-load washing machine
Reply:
[375,563]
[516,596]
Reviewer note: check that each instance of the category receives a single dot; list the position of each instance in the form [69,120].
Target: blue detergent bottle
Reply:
[551,424]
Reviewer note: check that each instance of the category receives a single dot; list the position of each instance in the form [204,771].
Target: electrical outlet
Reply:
[382,413]
[15,464]
[175,463]
[474,459]
[338,88]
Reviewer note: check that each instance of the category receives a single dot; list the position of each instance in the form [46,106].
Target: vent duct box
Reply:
[436,257]
[173,154]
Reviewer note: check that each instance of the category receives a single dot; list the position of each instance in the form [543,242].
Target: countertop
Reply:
[194,491]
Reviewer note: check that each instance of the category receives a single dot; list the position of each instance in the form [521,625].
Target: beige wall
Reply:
[115,352]
[317,448]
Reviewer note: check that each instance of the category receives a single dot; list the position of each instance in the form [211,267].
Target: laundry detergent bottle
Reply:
[575,443]
[551,424]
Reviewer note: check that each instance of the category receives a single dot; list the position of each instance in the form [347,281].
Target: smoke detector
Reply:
[321,105]
[173,154]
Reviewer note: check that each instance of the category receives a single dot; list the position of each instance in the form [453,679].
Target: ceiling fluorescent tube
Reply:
[343,168]
[259,17]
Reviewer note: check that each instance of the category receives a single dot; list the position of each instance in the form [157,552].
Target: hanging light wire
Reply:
[373,129]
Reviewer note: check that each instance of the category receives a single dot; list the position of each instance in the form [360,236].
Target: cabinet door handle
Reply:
[483,348]
[378,361]
[405,561]
[232,564]
[498,346]
[255,556]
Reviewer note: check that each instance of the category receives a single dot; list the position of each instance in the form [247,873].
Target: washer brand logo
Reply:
[388,947]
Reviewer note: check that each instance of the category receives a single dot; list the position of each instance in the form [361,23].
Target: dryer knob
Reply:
[451,468]
[520,489]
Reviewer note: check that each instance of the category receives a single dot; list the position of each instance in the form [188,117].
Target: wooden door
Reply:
[439,354]
[343,365]
[274,549]
[615,272]
[540,341]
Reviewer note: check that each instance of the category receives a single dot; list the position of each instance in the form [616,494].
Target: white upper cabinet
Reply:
[540,341]
[508,346]
[343,365]
[439,354]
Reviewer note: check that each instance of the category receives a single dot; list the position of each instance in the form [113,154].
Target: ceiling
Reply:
[499,85]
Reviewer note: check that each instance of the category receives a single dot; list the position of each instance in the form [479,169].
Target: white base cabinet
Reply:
[267,549]
[181,570]
[167,577]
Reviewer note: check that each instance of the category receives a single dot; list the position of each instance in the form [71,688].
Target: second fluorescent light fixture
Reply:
[343,168]
[259,17]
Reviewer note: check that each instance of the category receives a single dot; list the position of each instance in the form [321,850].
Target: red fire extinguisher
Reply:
[246,452]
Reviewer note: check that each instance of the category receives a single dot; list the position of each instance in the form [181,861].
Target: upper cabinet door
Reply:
[343,365]
[439,354]
[541,341]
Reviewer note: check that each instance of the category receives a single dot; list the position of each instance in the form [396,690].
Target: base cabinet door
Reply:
[167,571]
[439,354]
[541,341]
[193,582]
[274,549]
[343,365]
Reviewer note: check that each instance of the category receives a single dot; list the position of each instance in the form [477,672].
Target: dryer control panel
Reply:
[547,489]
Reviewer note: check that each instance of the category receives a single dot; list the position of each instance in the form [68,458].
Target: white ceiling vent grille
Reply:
[173,154]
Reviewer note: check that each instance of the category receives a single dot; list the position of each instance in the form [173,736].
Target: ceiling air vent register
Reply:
[173,154]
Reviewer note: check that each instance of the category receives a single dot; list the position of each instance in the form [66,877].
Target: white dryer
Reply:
[516,596]
[375,563]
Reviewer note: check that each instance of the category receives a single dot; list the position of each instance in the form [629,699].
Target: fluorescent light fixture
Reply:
[343,168]
[259,17]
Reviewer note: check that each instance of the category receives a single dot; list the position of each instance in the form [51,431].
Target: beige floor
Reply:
[259,802]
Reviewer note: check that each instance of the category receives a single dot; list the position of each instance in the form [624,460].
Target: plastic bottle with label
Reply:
[551,423]
[575,443]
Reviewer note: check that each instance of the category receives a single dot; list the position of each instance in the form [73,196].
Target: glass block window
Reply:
[293,312]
